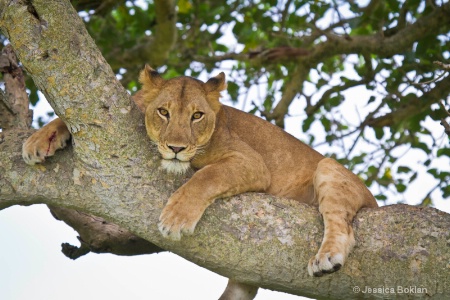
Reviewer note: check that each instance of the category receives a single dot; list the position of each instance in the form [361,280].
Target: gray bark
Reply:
[112,171]
[14,112]
[100,236]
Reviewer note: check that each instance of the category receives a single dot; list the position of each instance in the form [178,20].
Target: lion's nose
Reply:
[177,149]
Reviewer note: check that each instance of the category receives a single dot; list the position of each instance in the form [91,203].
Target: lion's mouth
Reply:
[175,165]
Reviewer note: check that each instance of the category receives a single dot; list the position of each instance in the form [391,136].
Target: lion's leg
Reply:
[340,195]
[230,176]
[238,291]
[44,142]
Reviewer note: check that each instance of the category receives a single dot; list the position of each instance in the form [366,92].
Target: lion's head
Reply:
[180,115]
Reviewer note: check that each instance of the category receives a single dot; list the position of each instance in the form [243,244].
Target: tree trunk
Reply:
[113,171]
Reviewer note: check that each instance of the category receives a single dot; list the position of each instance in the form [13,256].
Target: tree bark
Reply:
[112,171]
[254,238]
[14,112]
[99,236]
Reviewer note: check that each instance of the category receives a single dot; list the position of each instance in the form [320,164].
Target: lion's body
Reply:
[235,152]
[290,162]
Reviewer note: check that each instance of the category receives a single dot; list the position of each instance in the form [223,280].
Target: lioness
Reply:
[233,152]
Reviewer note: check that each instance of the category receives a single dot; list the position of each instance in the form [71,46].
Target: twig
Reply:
[442,65]
[429,81]
[443,121]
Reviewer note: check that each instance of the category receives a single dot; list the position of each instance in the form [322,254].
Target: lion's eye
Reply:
[197,116]
[163,112]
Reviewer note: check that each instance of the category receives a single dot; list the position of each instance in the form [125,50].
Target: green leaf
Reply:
[400,187]
[336,100]
[307,123]
[426,202]
[446,191]
[413,177]
[379,132]
[422,146]
[326,124]
[403,169]
[434,172]
[233,90]
[381,197]
[184,6]
[443,151]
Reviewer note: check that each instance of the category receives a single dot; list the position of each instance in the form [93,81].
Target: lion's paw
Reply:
[324,263]
[178,218]
[44,142]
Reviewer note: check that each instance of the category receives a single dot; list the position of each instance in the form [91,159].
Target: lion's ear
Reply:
[139,100]
[213,87]
[216,84]
[150,79]
[151,85]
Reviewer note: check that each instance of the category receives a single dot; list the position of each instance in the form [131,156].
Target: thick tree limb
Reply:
[99,236]
[253,238]
[113,172]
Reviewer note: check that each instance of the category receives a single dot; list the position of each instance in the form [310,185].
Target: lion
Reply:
[232,152]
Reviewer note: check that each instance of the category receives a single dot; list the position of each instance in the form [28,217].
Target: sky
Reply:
[33,267]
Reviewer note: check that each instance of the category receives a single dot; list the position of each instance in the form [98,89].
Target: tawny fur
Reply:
[233,152]
[45,142]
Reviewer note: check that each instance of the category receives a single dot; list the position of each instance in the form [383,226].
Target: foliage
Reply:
[309,59]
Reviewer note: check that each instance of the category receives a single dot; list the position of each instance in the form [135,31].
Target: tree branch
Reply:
[291,89]
[443,120]
[101,7]
[14,110]
[396,246]
[99,236]
[416,105]
[377,43]
[155,48]
[112,171]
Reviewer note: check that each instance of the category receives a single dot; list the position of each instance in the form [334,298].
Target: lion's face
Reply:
[180,116]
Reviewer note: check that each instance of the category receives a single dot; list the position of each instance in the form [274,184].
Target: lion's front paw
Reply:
[44,142]
[178,218]
[324,263]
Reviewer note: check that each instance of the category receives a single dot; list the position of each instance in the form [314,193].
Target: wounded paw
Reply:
[44,142]
[324,263]
[178,218]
